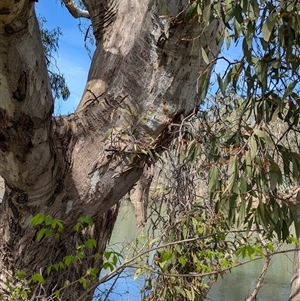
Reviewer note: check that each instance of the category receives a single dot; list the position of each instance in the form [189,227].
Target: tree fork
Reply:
[66,167]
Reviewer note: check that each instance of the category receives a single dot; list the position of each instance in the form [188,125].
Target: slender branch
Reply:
[75,11]
[260,279]
[128,264]
[197,275]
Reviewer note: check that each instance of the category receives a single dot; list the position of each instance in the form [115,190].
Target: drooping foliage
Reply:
[243,147]
[257,159]
[50,39]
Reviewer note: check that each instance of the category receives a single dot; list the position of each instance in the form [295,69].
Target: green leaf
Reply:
[213,179]
[69,259]
[206,12]
[115,260]
[38,278]
[167,256]
[78,227]
[182,260]
[243,185]
[248,163]
[190,11]
[253,147]
[221,84]
[107,134]
[48,220]
[190,295]
[294,213]
[107,254]
[242,211]
[179,291]
[108,265]
[87,220]
[262,216]
[232,173]
[264,136]
[93,273]
[91,243]
[204,80]
[37,219]
[24,294]
[289,89]
[167,28]
[56,223]
[247,47]
[275,175]
[21,275]
[41,234]
[49,269]
[137,273]
[227,39]
[150,153]
[83,282]
[204,56]
[261,67]
[268,26]
[57,294]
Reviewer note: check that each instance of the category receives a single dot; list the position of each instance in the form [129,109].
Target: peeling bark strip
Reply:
[83,164]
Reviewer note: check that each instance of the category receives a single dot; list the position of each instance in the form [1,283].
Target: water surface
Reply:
[235,286]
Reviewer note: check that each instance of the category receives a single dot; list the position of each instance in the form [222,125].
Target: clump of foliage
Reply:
[50,40]
[249,162]
[196,248]
[49,228]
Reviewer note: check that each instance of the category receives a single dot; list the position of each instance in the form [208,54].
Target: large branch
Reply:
[26,104]
[76,11]
[139,85]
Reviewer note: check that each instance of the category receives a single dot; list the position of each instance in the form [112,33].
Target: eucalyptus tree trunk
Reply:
[142,80]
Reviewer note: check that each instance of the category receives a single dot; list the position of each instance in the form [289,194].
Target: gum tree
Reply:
[142,79]
[151,69]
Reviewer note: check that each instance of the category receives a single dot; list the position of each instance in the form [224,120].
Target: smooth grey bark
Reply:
[140,84]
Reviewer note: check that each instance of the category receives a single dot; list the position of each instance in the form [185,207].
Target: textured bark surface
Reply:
[139,84]
[140,196]
[295,281]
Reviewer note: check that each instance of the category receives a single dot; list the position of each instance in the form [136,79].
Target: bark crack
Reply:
[20,93]
[4,11]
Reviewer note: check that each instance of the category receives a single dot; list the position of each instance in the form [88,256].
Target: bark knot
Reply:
[8,29]
[20,93]
[4,11]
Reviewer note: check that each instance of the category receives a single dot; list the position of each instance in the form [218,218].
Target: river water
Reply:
[235,286]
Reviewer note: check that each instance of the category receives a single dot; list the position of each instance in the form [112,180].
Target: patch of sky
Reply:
[72,58]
